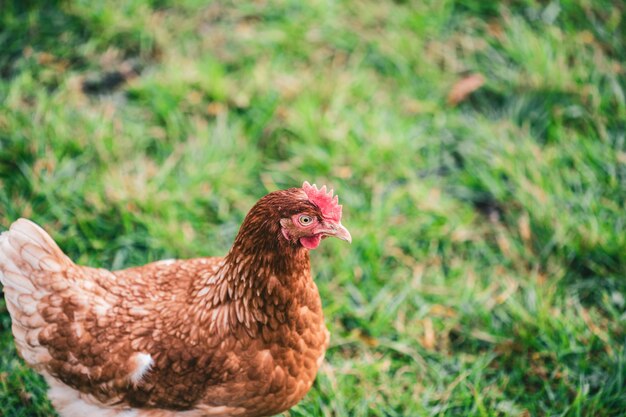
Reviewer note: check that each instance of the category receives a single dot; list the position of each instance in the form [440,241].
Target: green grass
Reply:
[487,275]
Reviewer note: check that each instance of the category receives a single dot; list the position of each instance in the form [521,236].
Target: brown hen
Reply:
[241,335]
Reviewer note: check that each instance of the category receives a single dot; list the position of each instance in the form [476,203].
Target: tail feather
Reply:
[32,245]
[26,250]
[30,265]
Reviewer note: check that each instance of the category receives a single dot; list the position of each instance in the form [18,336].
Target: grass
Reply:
[487,273]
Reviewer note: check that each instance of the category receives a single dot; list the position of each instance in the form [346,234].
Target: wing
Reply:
[70,322]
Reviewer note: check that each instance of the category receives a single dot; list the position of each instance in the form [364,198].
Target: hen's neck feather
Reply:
[261,249]
[263,272]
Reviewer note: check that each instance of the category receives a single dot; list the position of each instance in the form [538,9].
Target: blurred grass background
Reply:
[478,149]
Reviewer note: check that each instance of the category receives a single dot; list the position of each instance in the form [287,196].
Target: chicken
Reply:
[241,335]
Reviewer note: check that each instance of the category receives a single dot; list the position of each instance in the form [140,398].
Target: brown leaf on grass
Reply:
[428,340]
[26,397]
[215,108]
[366,338]
[596,330]
[511,288]
[524,227]
[442,311]
[343,171]
[495,29]
[464,87]
[44,58]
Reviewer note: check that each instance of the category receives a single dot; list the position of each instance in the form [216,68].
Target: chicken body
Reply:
[242,335]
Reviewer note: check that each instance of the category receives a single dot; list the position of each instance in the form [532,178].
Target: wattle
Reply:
[311,242]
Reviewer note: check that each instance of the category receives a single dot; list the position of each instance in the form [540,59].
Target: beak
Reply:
[337,230]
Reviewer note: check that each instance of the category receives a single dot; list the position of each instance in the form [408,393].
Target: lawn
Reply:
[478,148]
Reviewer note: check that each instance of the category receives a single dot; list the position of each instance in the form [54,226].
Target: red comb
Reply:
[329,205]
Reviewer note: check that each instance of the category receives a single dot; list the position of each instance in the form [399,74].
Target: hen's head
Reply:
[297,217]
[319,218]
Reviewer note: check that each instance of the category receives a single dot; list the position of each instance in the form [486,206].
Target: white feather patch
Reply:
[143,363]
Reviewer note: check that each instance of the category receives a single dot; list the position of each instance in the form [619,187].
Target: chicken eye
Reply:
[305,220]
